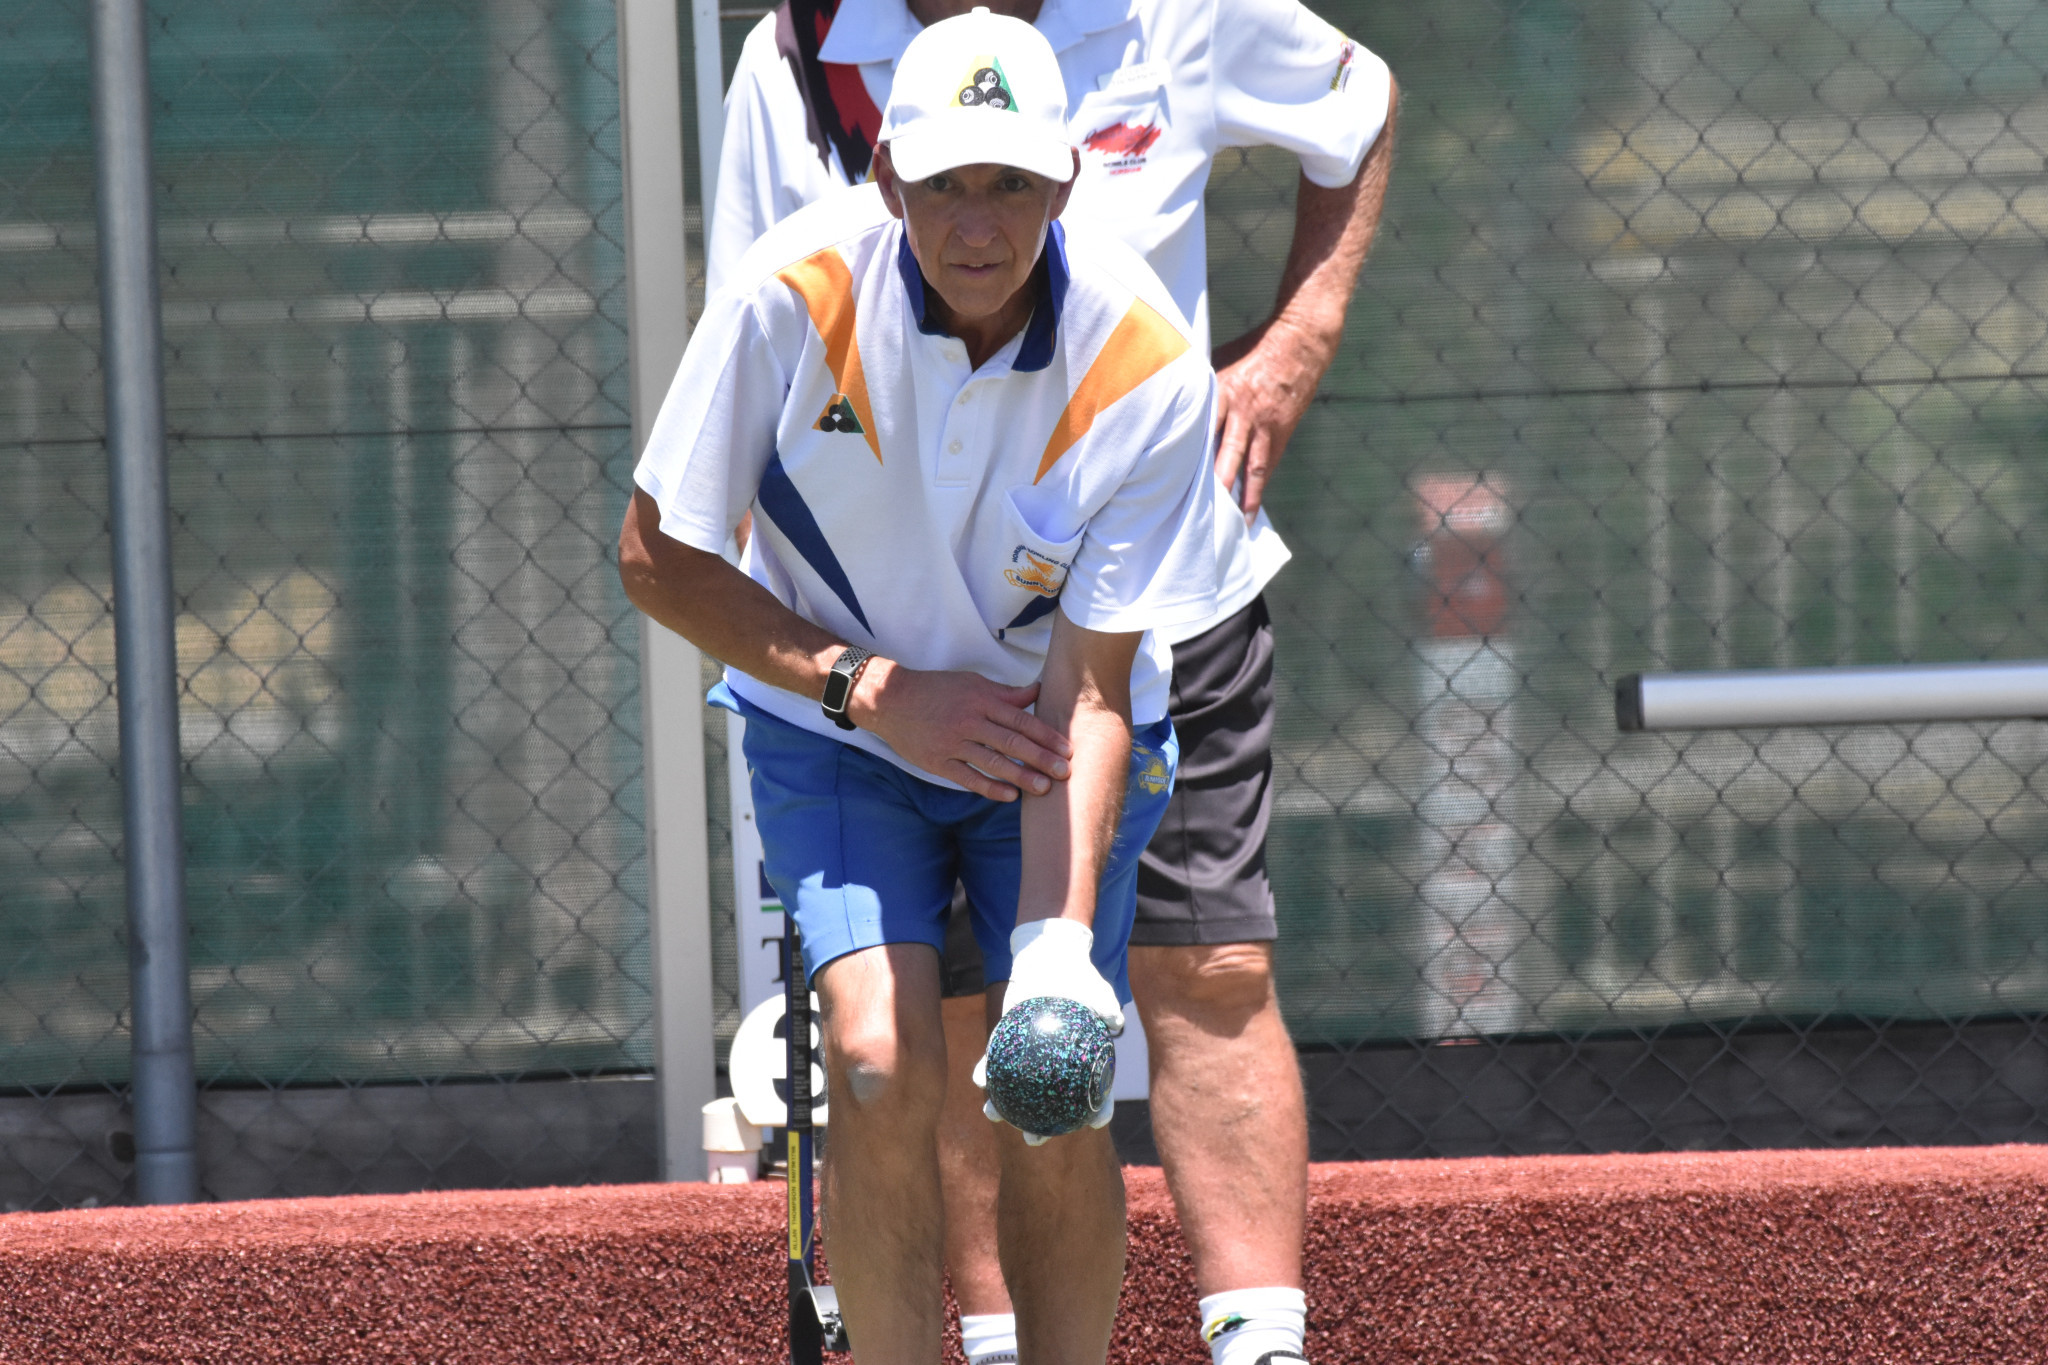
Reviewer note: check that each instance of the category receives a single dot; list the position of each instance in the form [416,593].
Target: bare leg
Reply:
[1227,1110]
[969,1165]
[884,1222]
[1060,1222]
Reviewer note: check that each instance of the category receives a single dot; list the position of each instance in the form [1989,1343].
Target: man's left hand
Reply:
[1265,381]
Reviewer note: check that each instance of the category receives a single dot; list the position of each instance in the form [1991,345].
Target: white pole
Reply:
[709,64]
[679,892]
[1862,695]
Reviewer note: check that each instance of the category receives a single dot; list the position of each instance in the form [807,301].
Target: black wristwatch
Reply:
[839,684]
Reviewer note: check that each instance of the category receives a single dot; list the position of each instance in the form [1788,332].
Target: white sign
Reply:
[760,1060]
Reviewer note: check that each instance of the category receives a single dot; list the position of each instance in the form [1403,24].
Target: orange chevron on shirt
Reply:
[1142,345]
[825,285]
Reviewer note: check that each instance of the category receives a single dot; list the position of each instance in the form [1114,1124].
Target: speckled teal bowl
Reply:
[1051,1063]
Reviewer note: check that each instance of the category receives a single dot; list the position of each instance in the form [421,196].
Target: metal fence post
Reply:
[166,1103]
[679,891]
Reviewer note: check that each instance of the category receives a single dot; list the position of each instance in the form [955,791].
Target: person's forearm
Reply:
[1333,231]
[1085,694]
[719,609]
[959,725]
[1067,832]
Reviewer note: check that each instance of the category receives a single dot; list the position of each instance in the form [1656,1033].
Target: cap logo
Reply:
[986,85]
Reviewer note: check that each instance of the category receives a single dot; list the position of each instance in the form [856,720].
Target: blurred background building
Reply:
[1702,335]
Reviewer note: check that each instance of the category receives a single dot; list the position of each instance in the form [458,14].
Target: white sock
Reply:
[1255,1326]
[989,1338]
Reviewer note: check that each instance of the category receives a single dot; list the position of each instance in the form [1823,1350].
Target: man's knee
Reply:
[884,1048]
[1207,981]
[878,1066]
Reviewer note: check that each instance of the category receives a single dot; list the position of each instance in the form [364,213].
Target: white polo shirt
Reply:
[1158,87]
[936,514]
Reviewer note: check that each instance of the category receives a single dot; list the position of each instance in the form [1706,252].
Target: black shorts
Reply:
[1203,877]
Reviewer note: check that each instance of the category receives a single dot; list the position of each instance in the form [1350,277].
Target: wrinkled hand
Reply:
[1265,381]
[962,727]
[1051,957]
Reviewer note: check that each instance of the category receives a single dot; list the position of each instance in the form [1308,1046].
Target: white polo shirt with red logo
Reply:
[1155,87]
[935,514]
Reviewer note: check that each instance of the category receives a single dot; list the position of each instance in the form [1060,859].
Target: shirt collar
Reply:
[1040,334]
[878,30]
[1066,22]
[868,31]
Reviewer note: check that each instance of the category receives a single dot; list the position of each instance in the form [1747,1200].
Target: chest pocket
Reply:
[1021,587]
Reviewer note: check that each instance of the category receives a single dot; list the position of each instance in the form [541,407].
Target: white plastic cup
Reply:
[732,1145]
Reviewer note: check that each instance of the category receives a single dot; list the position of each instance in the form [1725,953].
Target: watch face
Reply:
[837,686]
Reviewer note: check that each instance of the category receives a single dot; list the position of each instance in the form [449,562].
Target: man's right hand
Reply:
[962,727]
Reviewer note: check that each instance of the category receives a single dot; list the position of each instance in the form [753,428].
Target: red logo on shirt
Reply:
[1123,145]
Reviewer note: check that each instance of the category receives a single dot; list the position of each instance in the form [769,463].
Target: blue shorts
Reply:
[864,853]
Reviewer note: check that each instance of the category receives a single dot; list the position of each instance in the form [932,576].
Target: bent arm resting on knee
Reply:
[1085,693]
[959,725]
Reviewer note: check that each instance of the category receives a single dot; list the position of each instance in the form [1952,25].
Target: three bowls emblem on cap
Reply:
[987,86]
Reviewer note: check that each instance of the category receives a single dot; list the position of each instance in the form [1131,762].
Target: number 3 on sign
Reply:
[759,1066]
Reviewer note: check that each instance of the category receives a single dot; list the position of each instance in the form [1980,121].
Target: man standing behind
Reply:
[1157,87]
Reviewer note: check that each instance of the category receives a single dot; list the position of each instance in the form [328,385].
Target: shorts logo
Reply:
[838,416]
[1343,76]
[986,86]
[1235,1320]
[1149,772]
[1041,575]
[1123,145]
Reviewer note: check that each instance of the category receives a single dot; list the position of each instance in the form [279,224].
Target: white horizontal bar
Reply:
[1862,695]
[547,227]
[461,305]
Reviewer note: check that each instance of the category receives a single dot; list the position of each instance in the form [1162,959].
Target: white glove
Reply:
[1051,957]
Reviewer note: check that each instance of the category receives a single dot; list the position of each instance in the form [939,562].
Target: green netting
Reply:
[1739,312]
[394,323]
[1713,332]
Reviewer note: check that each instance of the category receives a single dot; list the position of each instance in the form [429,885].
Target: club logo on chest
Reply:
[838,416]
[1042,575]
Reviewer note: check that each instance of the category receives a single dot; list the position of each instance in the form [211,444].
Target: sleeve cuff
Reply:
[1375,95]
[1145,616]
[685,530]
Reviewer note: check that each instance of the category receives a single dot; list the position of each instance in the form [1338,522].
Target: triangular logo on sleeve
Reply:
[838,416]
[984,84]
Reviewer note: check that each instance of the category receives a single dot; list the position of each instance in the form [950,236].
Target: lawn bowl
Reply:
[1051,1062]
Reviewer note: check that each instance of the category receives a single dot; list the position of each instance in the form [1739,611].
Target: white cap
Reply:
[978,88]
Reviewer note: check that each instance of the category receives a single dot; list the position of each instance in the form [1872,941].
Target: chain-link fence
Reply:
[1697,336]
[1702,335]
[394,321]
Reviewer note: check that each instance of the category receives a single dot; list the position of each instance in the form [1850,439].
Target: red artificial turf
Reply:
[1888,1255]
